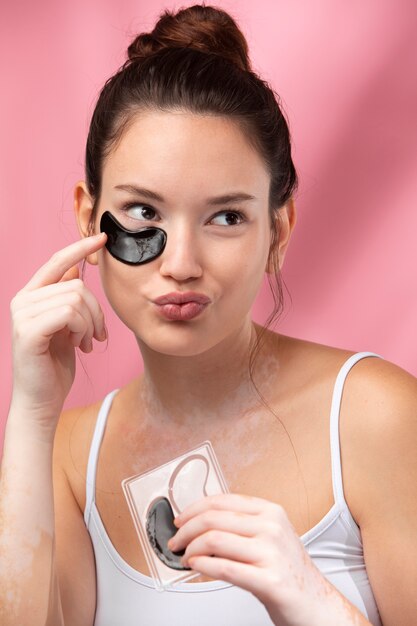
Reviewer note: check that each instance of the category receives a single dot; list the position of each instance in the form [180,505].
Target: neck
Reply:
[213,386]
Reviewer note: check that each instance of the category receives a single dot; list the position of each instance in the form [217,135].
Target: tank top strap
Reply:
[94,451]
[334,425]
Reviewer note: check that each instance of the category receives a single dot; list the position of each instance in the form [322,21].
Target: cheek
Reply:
[244,264]
[241,275]
[123,286]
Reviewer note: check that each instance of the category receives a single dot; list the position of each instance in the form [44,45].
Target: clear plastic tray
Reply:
[186,479]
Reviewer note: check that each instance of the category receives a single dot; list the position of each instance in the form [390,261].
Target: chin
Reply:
[177,342]
[174,350]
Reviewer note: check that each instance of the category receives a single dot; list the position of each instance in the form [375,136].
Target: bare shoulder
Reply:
[379,422]
[75,425]
[383,381]
[73,439]
[370,380]
[382,400]
[378,439]
[72,444]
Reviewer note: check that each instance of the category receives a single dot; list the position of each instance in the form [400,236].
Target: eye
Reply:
[233,216]
[145,212]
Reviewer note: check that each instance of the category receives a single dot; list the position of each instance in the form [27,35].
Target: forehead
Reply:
[178,147]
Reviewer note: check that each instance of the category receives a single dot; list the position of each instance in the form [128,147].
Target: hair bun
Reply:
[200,27]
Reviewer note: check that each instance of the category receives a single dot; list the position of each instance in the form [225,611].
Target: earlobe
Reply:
[289,219]
[83,207]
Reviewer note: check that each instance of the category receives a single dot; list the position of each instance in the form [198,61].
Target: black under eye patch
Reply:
[160,525]
[134,247]
[160,528]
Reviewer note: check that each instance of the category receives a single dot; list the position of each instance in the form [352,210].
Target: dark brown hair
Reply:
[196,60]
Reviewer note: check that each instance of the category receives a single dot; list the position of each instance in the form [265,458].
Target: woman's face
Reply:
[187,160]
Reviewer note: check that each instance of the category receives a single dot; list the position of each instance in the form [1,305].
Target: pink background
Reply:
[346,72]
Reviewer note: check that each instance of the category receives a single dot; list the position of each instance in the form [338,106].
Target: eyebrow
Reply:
[227,198]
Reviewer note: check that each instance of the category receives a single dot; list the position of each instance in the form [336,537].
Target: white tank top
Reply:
[126,597]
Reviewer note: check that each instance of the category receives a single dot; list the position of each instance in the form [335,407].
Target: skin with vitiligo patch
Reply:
[29,565]
[231,420]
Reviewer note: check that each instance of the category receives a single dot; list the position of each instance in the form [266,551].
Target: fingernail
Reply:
[171,543]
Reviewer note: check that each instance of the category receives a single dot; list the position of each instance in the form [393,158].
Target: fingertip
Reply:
[98,238]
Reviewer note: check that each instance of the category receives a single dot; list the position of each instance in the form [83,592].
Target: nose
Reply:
[181,256]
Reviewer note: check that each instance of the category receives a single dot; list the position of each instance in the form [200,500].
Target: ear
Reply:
[83,207]
[286,218]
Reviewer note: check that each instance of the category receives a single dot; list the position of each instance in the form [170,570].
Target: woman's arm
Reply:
[53,313]
[385,461]
[29,592]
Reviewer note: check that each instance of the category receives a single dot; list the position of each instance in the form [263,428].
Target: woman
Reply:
[187,139]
